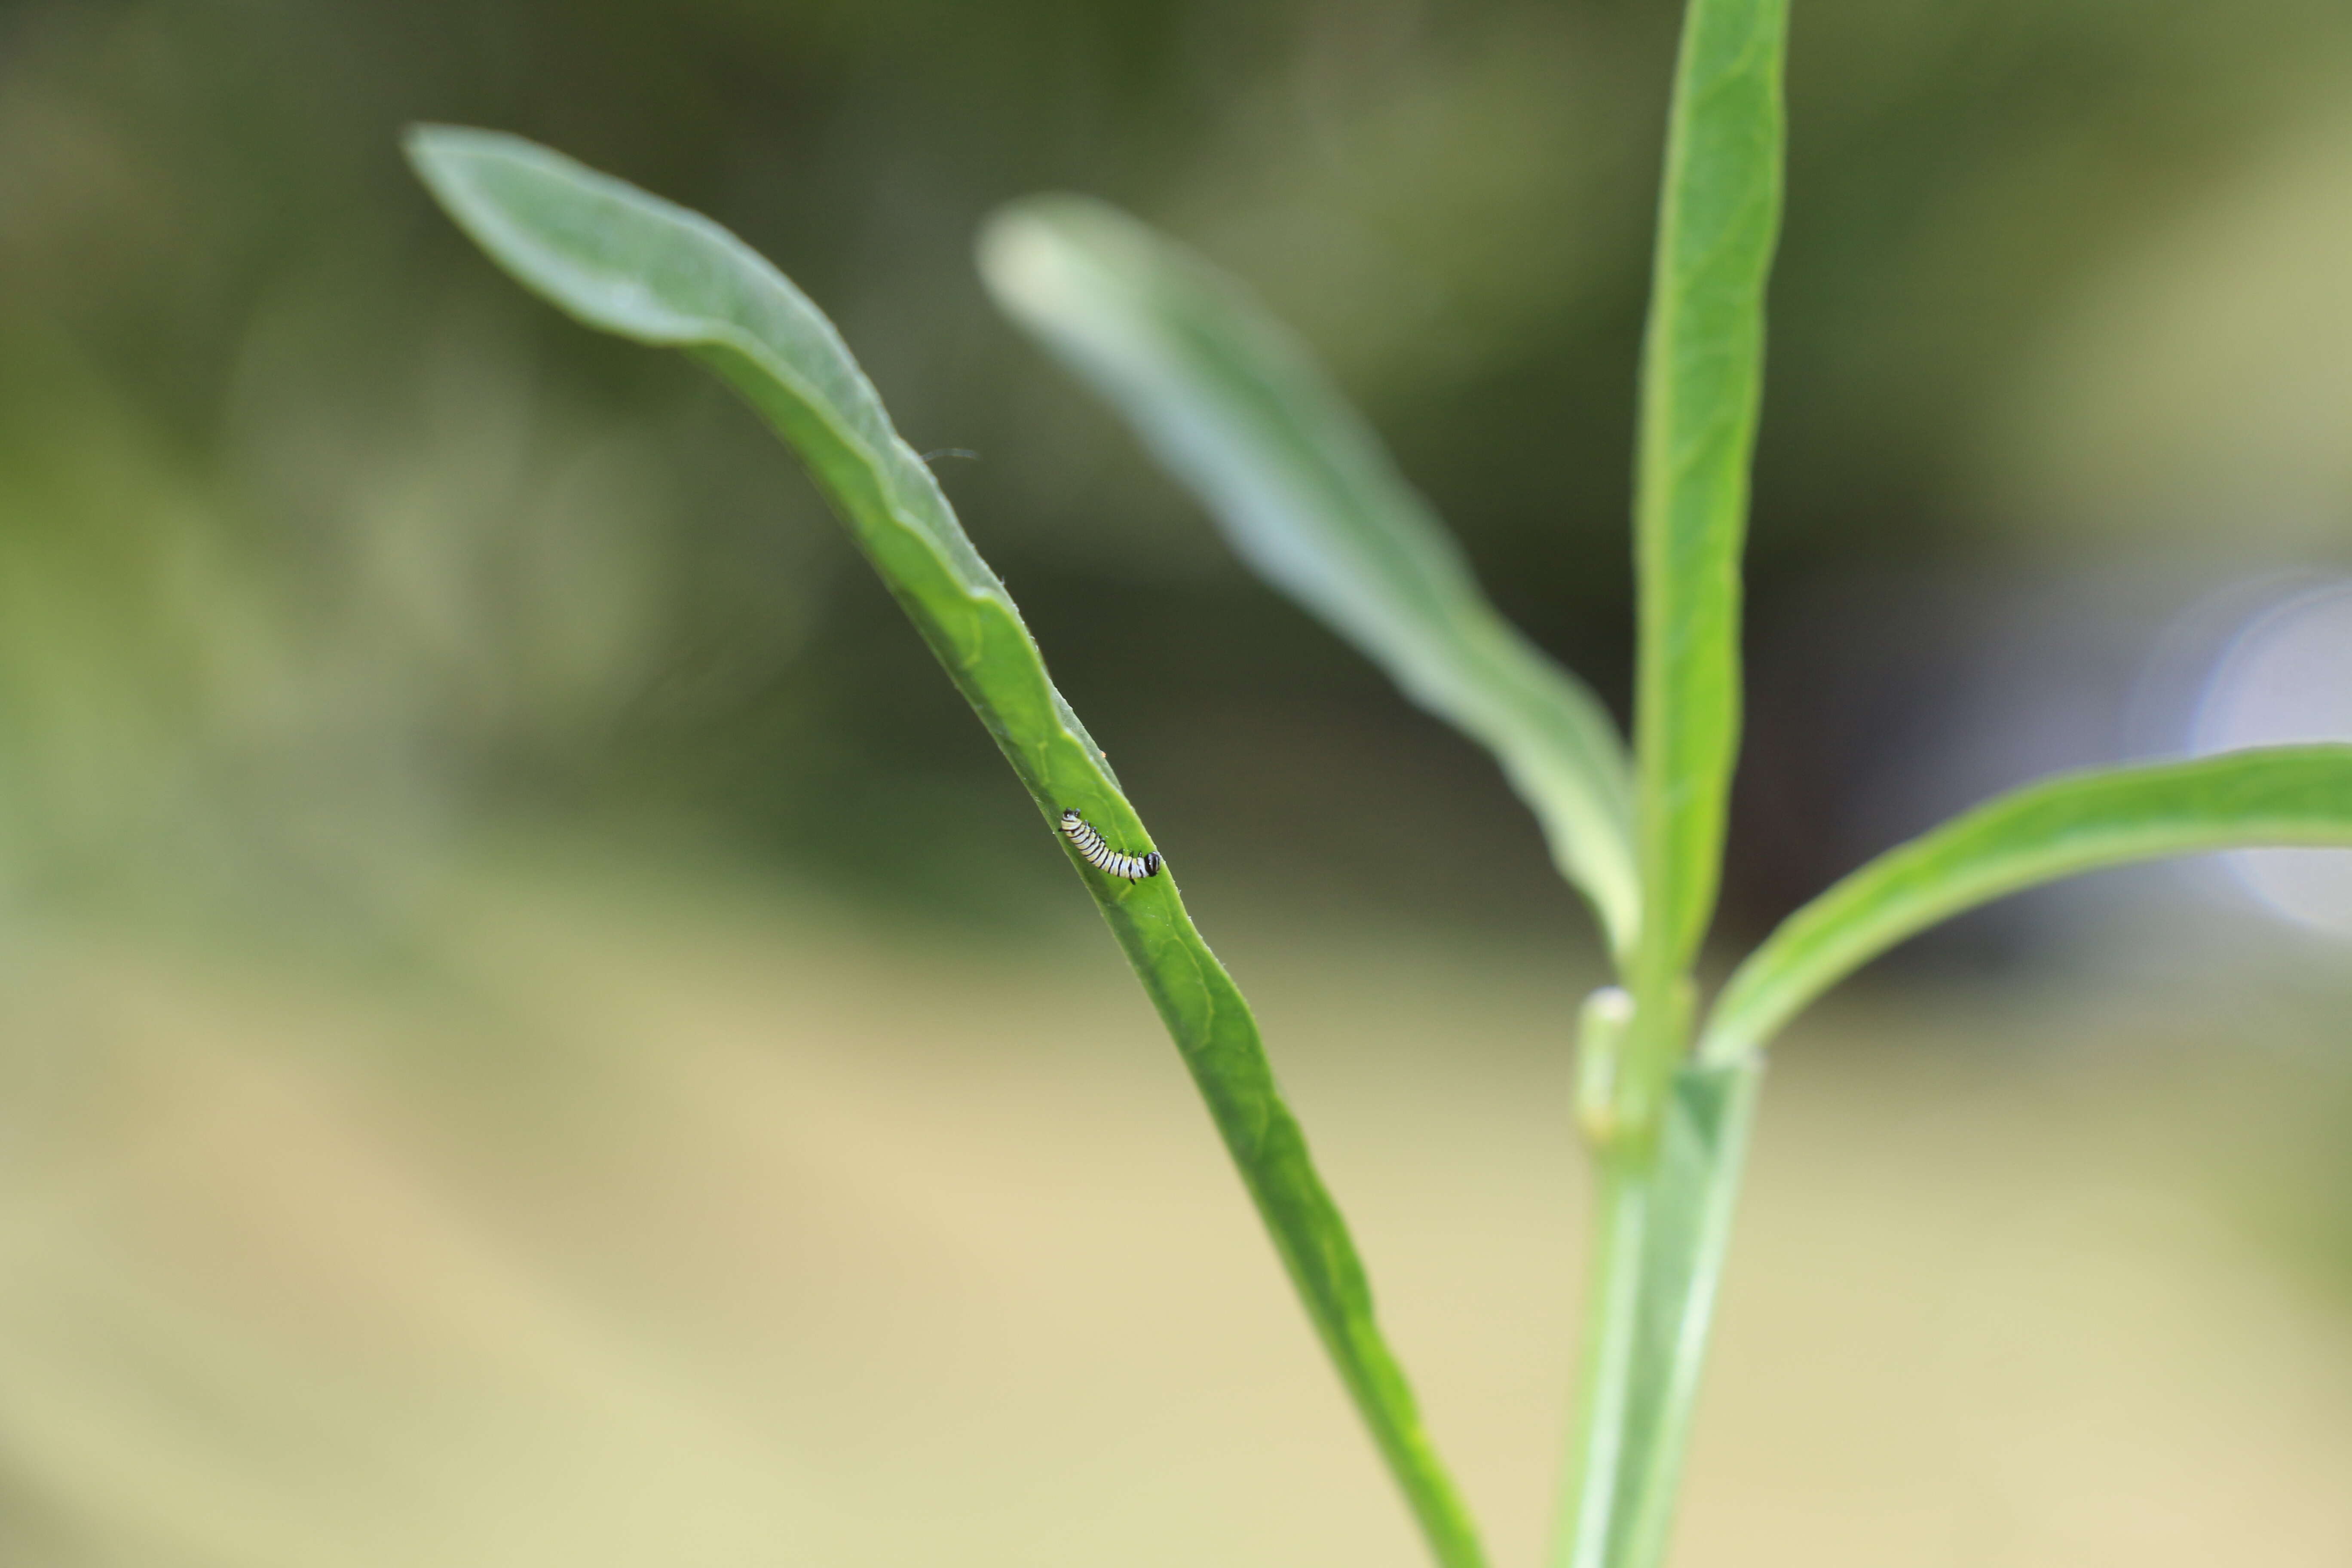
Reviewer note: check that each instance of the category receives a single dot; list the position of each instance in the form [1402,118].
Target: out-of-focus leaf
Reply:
[627,262]
[1657,1260]
[2275,796]
[1702,379]
[1236,408]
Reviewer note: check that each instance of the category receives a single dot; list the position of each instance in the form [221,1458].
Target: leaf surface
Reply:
[1236,407]
[627,262]
[2078,822]
[1702,381]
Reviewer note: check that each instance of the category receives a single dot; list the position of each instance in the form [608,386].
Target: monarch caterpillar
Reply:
[1102,856]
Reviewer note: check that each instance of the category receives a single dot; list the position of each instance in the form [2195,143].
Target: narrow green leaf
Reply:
[1664,1230]
[1236,407]
[629,263]
[2080,822]
[1702,380]
[1675,1133]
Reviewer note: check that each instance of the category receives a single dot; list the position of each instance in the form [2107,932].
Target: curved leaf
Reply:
[627,262]
[2285,794]
[1234,407]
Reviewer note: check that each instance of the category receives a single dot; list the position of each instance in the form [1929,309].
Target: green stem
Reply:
[1663,1229]
[1620,1212]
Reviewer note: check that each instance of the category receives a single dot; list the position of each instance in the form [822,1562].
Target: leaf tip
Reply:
[441,155]
[456,164]
[583,239]
[1046,257]
[1022,257]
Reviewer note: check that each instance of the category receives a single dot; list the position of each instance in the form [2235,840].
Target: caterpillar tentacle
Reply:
[1102,856]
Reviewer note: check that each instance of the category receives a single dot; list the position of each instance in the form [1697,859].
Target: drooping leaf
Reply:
[1236,407]
[2080,822]
[629,263]
[1702,381]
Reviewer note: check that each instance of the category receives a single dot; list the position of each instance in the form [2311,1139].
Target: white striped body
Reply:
[1102,856]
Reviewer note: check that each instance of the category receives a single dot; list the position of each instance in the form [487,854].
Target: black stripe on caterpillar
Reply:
[1102,856]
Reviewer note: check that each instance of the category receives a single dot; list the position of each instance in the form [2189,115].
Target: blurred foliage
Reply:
[318,544]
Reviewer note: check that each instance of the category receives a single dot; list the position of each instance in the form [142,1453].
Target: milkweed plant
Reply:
[1236,408]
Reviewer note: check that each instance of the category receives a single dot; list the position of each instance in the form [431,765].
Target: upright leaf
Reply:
[627,262]
[1702,379]
[1675,1133]
[1236,407]
[2080,822]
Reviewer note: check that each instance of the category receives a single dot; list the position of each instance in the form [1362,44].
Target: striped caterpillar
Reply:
[1102,856]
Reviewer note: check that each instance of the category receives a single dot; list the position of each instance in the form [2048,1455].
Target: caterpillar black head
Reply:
[1101,856]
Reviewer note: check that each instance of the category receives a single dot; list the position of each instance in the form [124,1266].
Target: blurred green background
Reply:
[491,1076]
